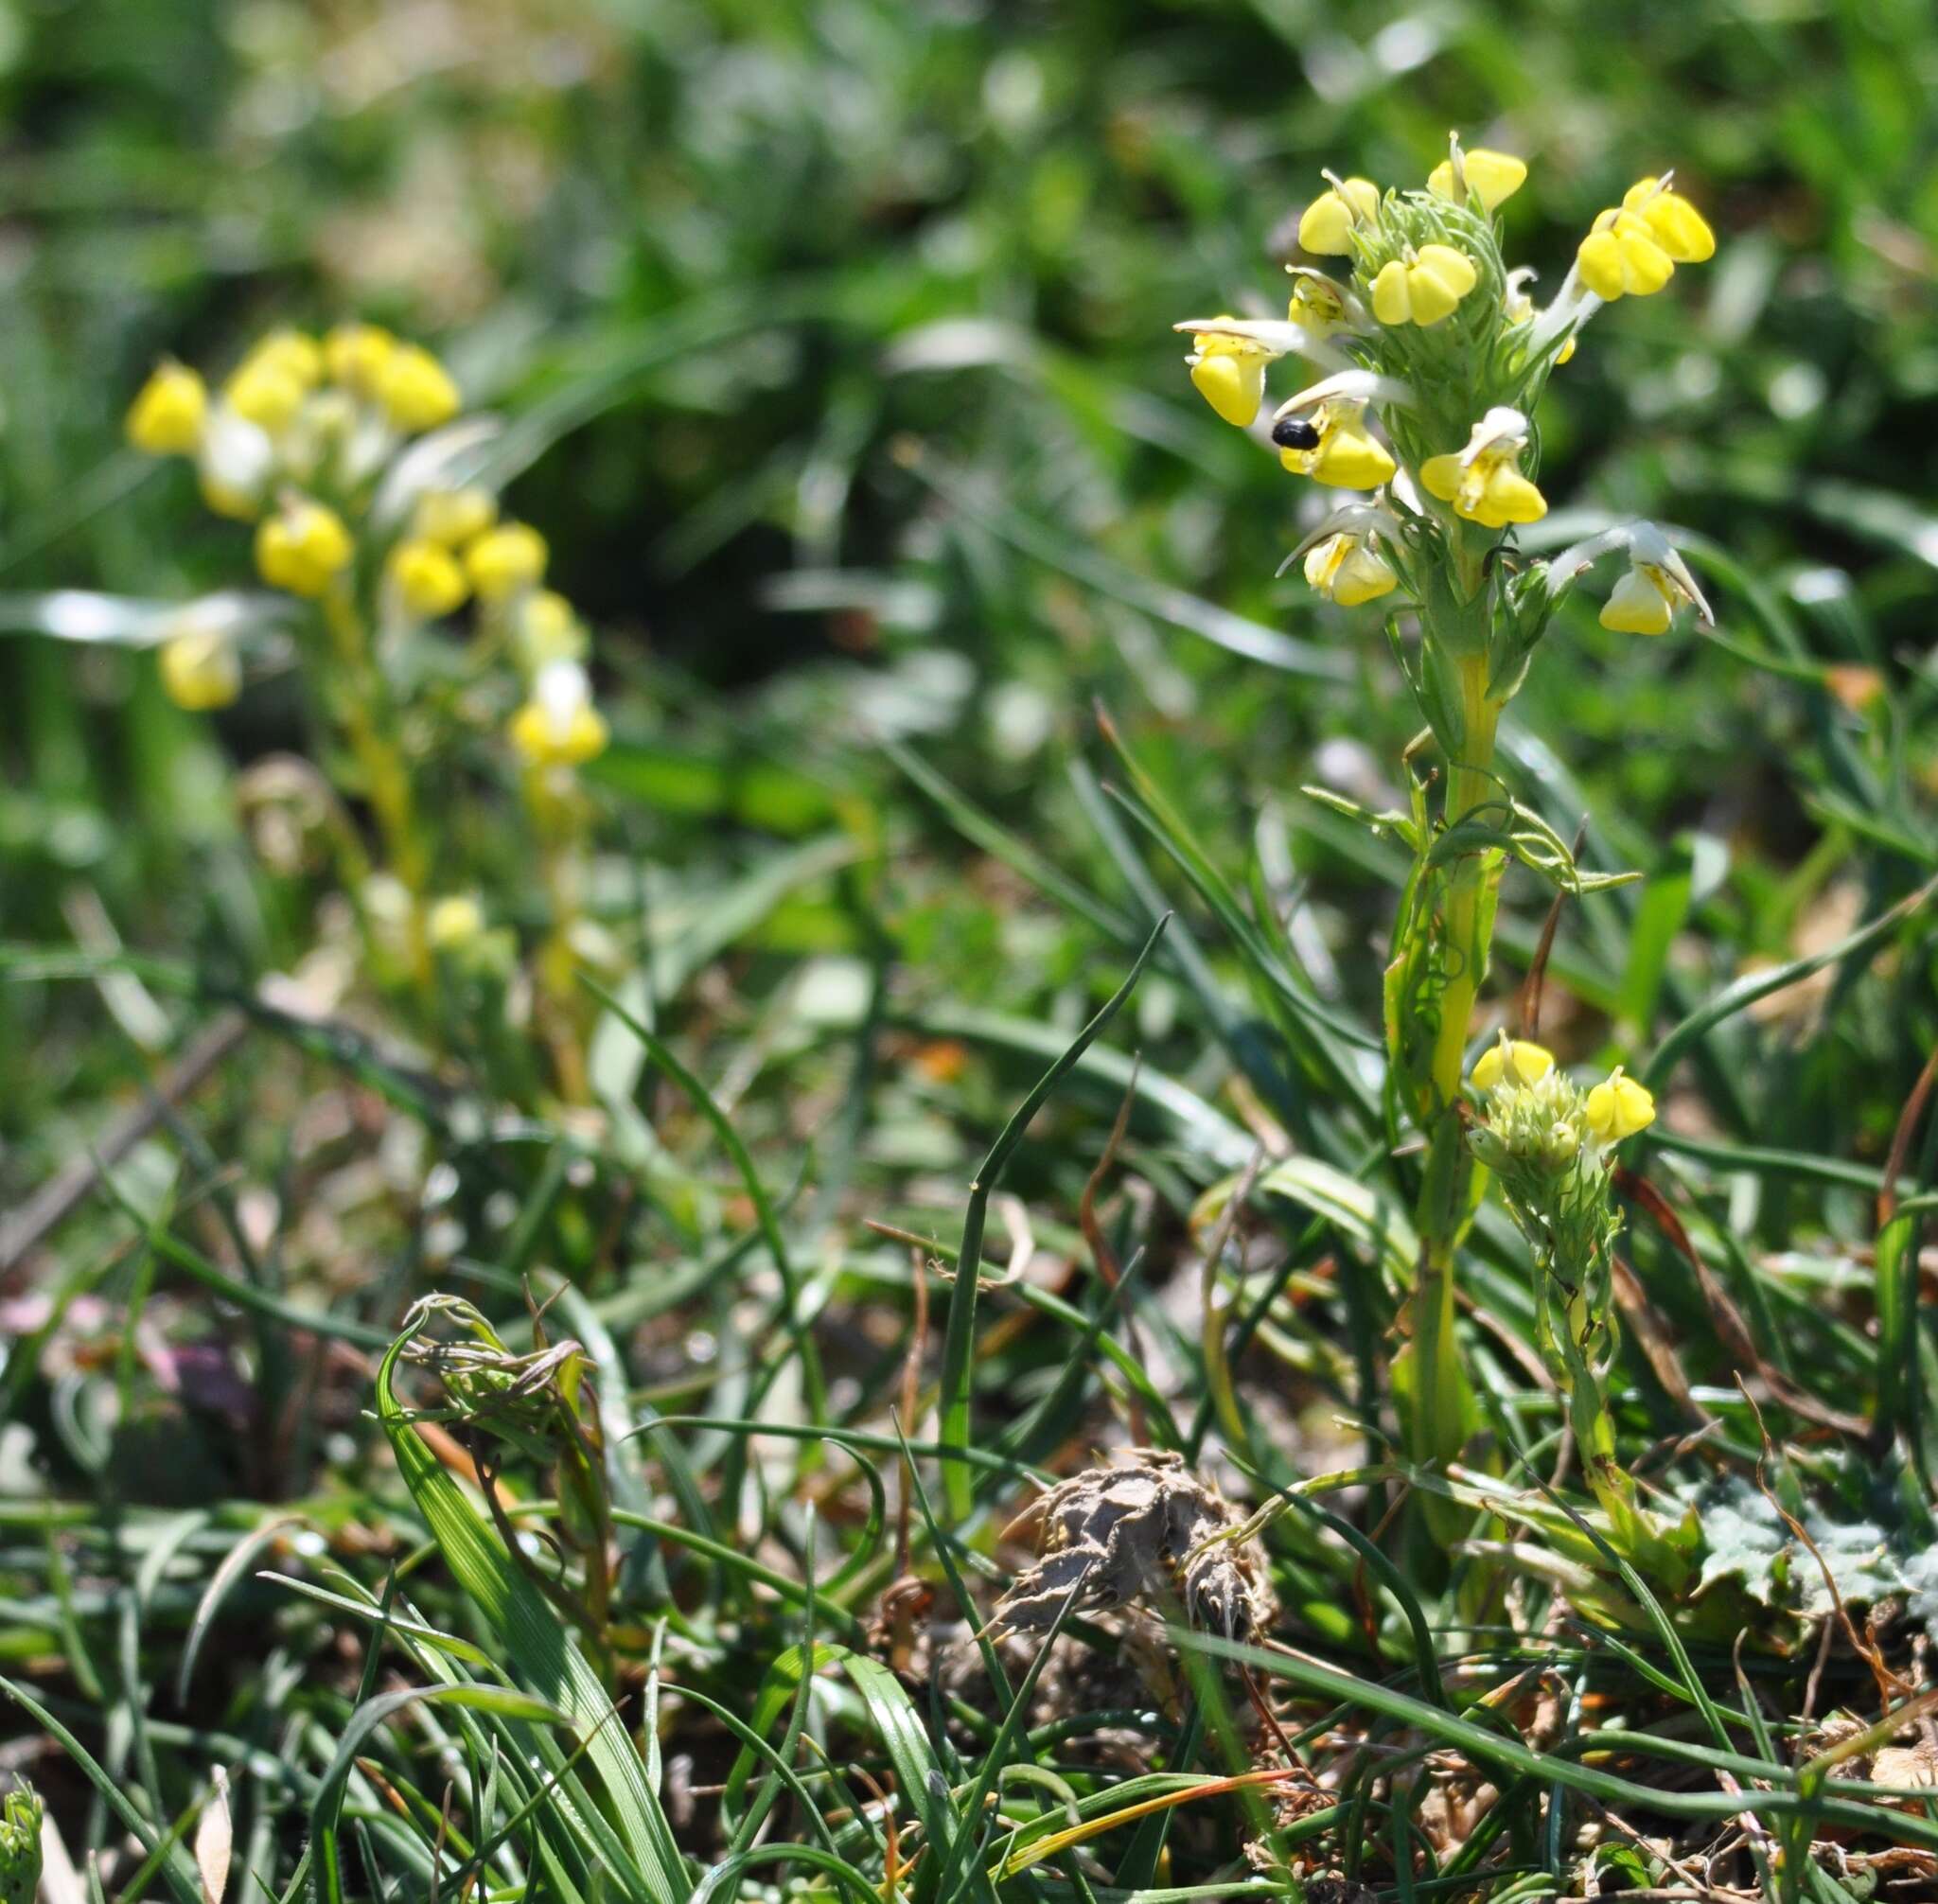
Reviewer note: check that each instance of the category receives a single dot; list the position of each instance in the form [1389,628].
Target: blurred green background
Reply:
[840,335]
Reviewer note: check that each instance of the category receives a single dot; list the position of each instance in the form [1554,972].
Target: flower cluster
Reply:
[303,439]
[1551,1143]
[1436,356]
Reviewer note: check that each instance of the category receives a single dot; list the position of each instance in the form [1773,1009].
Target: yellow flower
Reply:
[1425,288]
[548,631]
[1317,304]
[1348,571]
[427,577]
[1493,178]
[1526,1063]
[452,518]
[415,390]
[1333,446]
[1621,258]
[264,392]
[1229,373]
[199,669]
[358,354]
[1484,481]
[1619,1107]
[1679,228]
[1325,225]
[167,417]
[454,922]
[303,547]
[560,726]
[296,353]
[504,560]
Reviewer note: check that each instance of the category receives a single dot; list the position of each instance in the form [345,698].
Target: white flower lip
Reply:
[564,690]
[1362,519]
[1281,338]
[1501,425]
[1352,386]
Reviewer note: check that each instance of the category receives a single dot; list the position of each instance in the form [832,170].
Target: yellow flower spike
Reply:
[296,353]
[1620,257]
[1515,1059]
[1425,288]
[304,547]
[1230,374]
[1325,225]
[1619,1107]
[505,561]
[1493,178]
[454,924]
[357,356]
[427,577]
[1677,227]
[560,726]
[416,392]
[168,411]
[1348,571]
[452,518]
[263,393]
[199,669]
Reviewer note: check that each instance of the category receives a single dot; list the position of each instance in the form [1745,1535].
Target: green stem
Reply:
[1439,1400]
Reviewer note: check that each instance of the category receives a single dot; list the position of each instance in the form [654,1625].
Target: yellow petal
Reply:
[1348,459]
[1441,475]
[1364,576]
[1680,228]
[429,580]
[1392,297]
[416,391]
[199,670]
[1233,386]
[1619,1107]
[504,560]
[1529,1062]
[1438,282]
[1507,496]
[1493,178]
[1325,225]
[1599,261]
[1636,606]
[1322,562]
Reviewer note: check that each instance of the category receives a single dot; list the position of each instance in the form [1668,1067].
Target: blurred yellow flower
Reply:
[357,355]
[548,631]
[1619,1107]
[303,547]
[452,518]
[454,922]
[294,353]
[504,560]
[263,393]
[199,669]
[168,413]
[415,390]
[428,578]
[560,726]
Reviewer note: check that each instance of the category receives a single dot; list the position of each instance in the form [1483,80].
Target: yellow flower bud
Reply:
[357,355]
[294,353]
[1325,226]
[1515,1059]
[303,548]
[199,669]
[504,560]
[166,415]
[263,393]
[560,726]
[1619,1107]
[452,518]
[1493,178]
[427,577]
[1426,289]
[1677,227]
[416,391]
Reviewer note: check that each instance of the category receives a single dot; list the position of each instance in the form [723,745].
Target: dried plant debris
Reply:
[1144,1529]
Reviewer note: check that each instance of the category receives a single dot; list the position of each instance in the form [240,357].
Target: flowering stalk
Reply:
[340,452]
[1436,358]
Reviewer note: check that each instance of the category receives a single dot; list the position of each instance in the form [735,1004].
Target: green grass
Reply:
[834,344]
